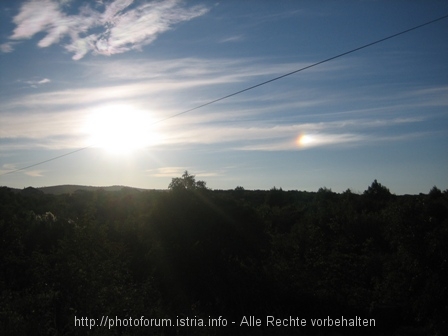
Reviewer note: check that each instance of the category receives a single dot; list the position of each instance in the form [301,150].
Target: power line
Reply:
[302,69]
[251,87]
[42,162]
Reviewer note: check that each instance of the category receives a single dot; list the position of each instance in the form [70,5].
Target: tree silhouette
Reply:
[186,182]
[377,191]
[376,197]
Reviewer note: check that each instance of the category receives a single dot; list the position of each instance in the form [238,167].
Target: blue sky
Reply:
[110,74]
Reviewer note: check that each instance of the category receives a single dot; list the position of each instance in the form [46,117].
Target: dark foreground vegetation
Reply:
[191,252]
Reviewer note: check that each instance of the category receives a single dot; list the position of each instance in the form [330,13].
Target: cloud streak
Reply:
[166,171]
[236,38]
[6,47]
[263,119]
[291,136]
[36,82]
[35,173]
[121,26]
[151,79]
[177,171]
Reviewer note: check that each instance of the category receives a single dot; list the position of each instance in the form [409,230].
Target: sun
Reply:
[120,128]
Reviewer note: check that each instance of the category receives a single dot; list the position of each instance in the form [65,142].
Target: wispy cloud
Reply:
[6,47]
[181,68]
[151,79]
[38,125]
[166,171]
[7,167]
[306,141]
[34,173]
[178,171]
[34,83]
[43,81]
[435,96]
[115,27]
[235,38]
[265,137]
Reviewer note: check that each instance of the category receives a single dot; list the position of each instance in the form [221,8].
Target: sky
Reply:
[105,84]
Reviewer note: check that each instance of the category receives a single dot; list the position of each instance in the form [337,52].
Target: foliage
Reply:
[186,182]
[194,252]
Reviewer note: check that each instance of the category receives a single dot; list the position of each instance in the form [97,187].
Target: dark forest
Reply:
[196,253]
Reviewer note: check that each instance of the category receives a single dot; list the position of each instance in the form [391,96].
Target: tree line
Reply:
[194,252]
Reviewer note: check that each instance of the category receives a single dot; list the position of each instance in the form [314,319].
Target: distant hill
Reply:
[30,191]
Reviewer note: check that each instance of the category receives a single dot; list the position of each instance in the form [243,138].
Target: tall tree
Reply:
[186,182]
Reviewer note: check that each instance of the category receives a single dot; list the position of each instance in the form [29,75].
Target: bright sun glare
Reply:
[120,128]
